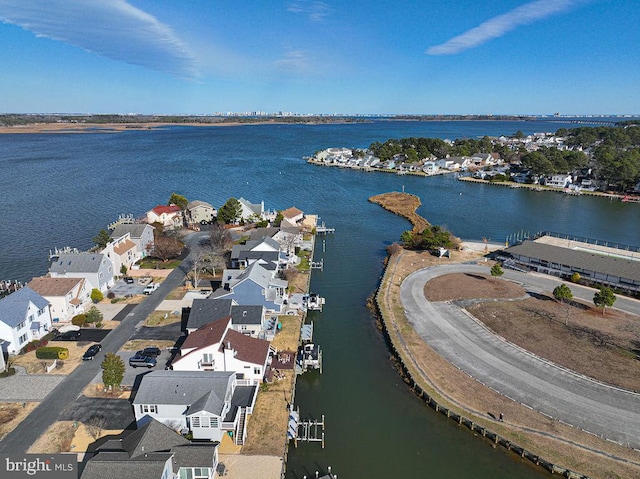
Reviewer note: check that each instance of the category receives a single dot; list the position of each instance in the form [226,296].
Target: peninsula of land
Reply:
[568,337]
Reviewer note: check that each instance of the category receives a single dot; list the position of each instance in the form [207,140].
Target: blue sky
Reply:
[308,56]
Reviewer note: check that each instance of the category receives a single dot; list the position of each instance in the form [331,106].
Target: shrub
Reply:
[111,295]
[115,300]
[79,320]
[575,277]
[96,295]
[94,315]
[52,352]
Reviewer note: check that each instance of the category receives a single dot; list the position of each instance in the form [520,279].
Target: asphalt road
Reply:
[604,410]
[70,389]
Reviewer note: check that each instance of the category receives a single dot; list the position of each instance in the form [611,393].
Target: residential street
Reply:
[47,412]
[604,410]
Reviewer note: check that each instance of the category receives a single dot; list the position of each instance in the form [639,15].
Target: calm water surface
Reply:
[60,189]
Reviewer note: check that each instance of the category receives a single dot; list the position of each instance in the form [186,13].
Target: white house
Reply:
[559,181]
[291,217]
[200,212]
[24,317]
[96,268]
[140,233]
[217,347]
[121,252]
[206,403]
[430,167]
[170,216]
[67,296]
[250,210]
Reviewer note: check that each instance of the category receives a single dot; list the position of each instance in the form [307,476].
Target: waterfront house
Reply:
[459,162]
[430,167]
[266,251]
[217,347]
[445,163]
[559,181]
[67,296]
[252,320]
[24,316]
[121,252]
[291,217]
[140,233]
[200,212]
[154,451]
[254,285]
[96,268]
[251,210]
[205,403]
[169,216]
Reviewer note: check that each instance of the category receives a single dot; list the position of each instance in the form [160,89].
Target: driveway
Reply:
[115,413]
[23,387]
[604,410]
[170,332]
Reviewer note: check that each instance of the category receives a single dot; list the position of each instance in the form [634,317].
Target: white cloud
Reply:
[111,28]
[315,10]
[294,60]
[502,24]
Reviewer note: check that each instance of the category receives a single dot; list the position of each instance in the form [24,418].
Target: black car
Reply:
[90,353]
[152,352]
[66,336]
[128,279]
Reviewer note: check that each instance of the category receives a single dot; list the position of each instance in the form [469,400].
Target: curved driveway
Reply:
[604,410]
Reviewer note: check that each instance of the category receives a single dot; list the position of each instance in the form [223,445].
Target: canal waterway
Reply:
[59,189]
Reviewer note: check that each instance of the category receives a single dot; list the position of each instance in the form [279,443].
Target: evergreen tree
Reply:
[112,370]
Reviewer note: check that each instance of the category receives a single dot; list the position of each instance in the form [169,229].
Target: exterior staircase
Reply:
[241,431]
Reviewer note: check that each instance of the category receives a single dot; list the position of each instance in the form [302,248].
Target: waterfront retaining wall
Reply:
[399,358]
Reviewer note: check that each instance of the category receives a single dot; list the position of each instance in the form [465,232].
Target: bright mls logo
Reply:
[49,466]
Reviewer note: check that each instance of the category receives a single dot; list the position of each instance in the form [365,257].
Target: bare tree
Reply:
[166,247]
[220,239]
[95,424]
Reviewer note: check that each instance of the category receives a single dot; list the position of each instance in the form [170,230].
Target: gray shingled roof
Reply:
[200,390]
[77,263]
[135,230]
[205,311]
[144,452]
[619,267]
[13,308]
[246,314]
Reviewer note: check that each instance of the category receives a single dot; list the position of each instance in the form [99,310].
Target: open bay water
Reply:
[60,189]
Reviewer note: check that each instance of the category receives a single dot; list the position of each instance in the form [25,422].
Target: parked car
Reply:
[142,360]
[151,352]
[128,280]
[91,353]
[66,336]
[150,288]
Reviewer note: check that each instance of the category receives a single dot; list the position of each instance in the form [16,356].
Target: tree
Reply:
[178,200]
[95,424]
[166,247]
[563,294]
[604,298]
[219,238]
[93,315]
[575,277]
[278,219]
[102,239]
[496,271]
[112,370]
[123,269]
[96,295]
[230,211]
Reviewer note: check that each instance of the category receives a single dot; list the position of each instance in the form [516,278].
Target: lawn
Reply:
[162,318]
[155,263]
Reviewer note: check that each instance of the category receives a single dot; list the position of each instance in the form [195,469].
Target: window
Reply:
[30,318]
[147,408]
[22,339]
[204,421]
[256,370]
[195,421]
[20,326]
[207,358]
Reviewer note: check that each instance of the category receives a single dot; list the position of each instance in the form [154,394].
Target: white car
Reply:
[150,288]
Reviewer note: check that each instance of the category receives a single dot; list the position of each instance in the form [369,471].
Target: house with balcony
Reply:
[207,404]
[153,451]
[66,296]
[252,320]
[140,233]
[24,317]
[559,181]
[169,216]
[95,268]
[121,252]
[255,285]
[217,347]
[200,212]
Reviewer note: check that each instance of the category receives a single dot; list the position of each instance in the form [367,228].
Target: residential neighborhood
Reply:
[201,382]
